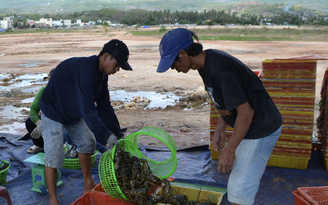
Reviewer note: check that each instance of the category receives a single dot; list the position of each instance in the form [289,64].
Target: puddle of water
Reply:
[28,100]
[32,64]
[32,90]
[11,112]
[35,77]
[157,99]
[24,81]
[16,128]
[3,76]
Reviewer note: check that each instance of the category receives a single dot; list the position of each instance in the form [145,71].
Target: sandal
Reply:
[34,149]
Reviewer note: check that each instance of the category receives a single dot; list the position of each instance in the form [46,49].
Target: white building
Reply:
[31,22]
[67,22]
[92,23]
[7,22]
[61,22]
[78,22]
[57,23]
[109,22]
[3,25]
[45,22]
[99,21]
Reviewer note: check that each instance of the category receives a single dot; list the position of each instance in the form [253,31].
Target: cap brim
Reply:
[165,64]
[124,65]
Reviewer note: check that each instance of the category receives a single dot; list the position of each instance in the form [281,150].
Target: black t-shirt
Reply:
[231,83]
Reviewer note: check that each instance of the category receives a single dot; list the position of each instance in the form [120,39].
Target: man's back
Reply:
[70,89]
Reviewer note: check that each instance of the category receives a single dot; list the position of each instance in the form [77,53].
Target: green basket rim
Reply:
[94,154]
[149,134]
[112,155]
[130,140]
[4,161]
[173,152]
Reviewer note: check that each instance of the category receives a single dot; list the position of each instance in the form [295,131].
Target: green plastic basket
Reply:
[75,163]
[161,169]
[107,175]
[3,174]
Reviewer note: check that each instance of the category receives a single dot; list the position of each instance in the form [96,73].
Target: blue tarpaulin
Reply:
[194,166]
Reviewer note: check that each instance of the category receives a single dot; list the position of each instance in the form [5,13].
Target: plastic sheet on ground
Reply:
[194,166]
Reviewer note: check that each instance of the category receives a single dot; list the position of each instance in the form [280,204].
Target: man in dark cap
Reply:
[77,99]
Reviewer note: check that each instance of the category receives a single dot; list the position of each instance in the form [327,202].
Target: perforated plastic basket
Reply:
[107,175]
[161,169]
[314,195]
[75,163]
[298,199]
[3,174]
[97,198]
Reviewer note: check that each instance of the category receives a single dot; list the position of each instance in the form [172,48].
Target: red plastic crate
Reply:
[314,195]
[99,189]
[96,198]
[298,199]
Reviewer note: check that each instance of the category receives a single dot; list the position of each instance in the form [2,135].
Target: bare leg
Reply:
[51,178]
[85,161]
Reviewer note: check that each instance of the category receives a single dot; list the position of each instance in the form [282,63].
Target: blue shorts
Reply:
[52,133]
[249,165]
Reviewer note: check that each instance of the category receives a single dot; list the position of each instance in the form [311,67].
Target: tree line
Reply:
[209,17]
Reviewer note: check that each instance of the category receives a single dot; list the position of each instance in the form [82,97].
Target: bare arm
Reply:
[243,121]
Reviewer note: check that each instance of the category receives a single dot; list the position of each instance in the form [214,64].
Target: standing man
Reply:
[243,103]
[68,102]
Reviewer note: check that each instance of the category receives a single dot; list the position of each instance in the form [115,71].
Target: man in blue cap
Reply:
[77,99]
[243,103]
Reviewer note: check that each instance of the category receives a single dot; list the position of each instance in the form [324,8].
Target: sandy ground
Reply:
[188,127]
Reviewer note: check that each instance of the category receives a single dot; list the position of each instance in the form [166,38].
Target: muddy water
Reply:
[15,117]
[157,100]
[15,112]
[9,82]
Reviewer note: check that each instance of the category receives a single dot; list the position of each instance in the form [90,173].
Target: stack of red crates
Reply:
[322,120]
[291,85]
[311,195]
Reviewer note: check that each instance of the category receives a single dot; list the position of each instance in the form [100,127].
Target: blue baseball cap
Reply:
[170,45]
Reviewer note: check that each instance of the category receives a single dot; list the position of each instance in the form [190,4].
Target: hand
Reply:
[219,140]
[37,132]
[112,140]
[119,135]
[124,129]
[225,161]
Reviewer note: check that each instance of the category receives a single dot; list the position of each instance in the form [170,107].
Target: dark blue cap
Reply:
[170,45]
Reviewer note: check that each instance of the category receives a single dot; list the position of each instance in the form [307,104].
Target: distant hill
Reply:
[70,6]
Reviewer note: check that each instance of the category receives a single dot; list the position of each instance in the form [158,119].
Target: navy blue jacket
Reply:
[74,86]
